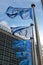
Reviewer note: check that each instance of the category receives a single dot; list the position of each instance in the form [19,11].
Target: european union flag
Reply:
[12,12]
[16,29]
[22,30]
[23,53]
[25,13]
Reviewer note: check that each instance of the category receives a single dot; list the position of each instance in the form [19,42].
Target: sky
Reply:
[17,21]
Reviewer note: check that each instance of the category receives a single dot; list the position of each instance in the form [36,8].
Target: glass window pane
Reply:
[7,54]
[6,58]
[1,52]
[2,43]
[13,56]
[1,57]
[2,37]
[0,62]
[5,63]
[7,49]
[1,47]
[8,44]
[13,51]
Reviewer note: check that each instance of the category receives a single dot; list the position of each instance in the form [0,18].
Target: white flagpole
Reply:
[33,46]
[37,36]
[42,3]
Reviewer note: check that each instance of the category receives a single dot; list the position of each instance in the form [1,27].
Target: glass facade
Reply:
[13,51]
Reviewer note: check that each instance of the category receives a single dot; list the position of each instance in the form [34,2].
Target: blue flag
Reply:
[23,51]
[12,12]
[22,30]
[25,13]
[16,29]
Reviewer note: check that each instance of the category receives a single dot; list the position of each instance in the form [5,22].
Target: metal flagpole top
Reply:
[31,24]
[33,5]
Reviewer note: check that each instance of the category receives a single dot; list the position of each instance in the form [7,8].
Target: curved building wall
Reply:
[14,50]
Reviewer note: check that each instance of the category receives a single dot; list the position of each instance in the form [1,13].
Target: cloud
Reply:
[14,26]
[21,1]
[4,23]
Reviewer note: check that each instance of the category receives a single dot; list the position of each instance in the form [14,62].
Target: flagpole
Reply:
[42,3]
[33,46]
[37,36]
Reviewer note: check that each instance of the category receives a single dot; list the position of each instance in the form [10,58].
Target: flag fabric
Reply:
[16,29]
[22,50]
[25,13]
[12,12]
[22,30]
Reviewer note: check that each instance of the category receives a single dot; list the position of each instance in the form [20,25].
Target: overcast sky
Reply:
[17,21]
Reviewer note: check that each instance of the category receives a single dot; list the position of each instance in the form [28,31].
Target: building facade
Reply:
[8,54]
